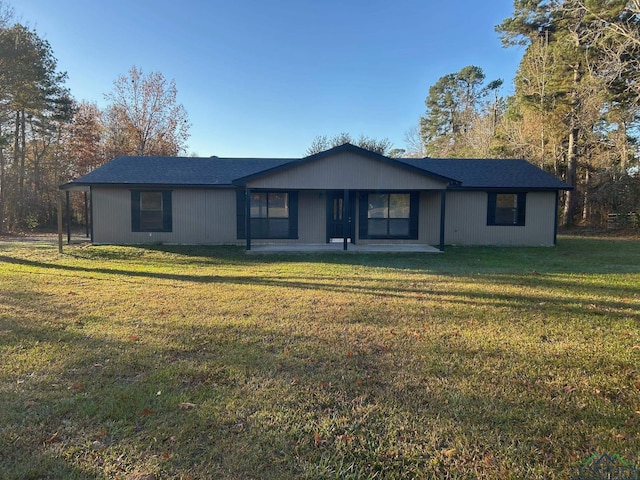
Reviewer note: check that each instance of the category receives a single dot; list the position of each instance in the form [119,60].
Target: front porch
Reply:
[350,220]
[338,248]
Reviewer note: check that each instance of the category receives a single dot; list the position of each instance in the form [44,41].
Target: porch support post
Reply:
[59,222]
[443,209]
[86,214]
[91,211]
[68,218]
[248,218]
[555,221]
[345,220]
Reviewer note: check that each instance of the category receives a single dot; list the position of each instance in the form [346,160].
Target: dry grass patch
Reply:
[183,362]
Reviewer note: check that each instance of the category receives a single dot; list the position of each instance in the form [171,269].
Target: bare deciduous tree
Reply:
[614,30]
[6,14]
[413,141]
[144,116]
[84,141]
[322,143]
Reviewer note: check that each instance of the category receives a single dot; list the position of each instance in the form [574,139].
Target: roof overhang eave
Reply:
[74,187]
[509,189]
[87,186]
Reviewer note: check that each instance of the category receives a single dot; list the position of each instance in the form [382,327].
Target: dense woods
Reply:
[574,111]
[47,137]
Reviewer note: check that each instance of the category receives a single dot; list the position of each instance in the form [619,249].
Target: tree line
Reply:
[48,138]
[574,112]
[575,107]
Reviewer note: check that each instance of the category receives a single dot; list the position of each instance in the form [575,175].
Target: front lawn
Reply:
[185,362]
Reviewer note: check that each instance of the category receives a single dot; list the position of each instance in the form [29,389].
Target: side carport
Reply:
[64,204]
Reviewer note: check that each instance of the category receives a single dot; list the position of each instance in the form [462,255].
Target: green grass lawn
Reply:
[185,362]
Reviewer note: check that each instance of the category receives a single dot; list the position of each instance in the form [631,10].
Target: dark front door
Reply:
[336,213]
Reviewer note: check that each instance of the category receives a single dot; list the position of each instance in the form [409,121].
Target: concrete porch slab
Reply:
[337,248]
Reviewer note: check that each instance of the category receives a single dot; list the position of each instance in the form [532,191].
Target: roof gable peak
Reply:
[340,149]
[346,147]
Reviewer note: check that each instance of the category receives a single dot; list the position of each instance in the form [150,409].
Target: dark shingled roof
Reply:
[490,173]
[178,171]
[222,172]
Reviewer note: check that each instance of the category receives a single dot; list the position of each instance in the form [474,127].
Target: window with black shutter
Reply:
[272,214]
[506,209]
[151,211]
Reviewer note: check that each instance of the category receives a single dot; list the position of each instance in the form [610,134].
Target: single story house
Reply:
[346,194]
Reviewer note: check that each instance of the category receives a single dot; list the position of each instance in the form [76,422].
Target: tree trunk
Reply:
[571,202]
[13,207]
[22,201]
[624,153]
[23,153]
[586,200]
[16,139]
[2,183]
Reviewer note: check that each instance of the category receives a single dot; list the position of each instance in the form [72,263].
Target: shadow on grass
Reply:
[385,413]
[556,293]
[275,404]
[49,367]
[571,254]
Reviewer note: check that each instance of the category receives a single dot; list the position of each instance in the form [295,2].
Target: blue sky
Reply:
[265,77]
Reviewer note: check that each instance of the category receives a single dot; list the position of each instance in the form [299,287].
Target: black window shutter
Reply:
[363,214]
[167,211]
[491,208]
[414,202]
[135,210]
[241,214]
[293,214]
[522,207]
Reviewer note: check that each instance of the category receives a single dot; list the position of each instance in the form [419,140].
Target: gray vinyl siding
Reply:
[111,215]
[429,226]
[208,216]
[466,221]
[221,217]
[346,171]
[200,216]
[312,220]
